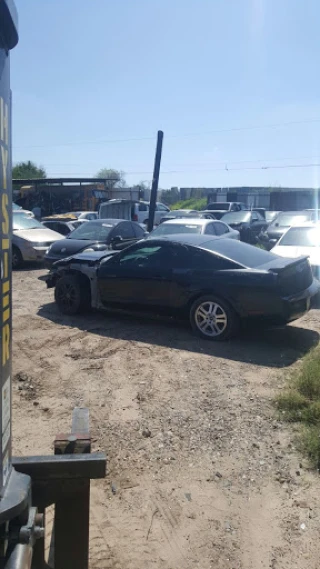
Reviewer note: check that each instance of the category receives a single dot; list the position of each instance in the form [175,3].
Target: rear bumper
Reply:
[297,305]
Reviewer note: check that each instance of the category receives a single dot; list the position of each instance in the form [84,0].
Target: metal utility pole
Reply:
[155,180]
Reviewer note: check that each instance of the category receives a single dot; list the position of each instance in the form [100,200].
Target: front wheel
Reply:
[16,259]
[72,295]
[213,319]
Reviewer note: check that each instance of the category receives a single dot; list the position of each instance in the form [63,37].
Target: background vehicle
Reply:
[195,226]
[301,241]
[89,215]
[281,223]
[96,235]
[18,209]
[271,215]
[30,240]
[213,282]
[61,226]
[134,210]
[180,213]
[220,208]
[248,223]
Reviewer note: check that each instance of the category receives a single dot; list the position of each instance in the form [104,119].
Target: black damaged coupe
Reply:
[214,283]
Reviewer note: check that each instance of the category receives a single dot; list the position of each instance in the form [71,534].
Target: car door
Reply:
[141,275]
[257,223]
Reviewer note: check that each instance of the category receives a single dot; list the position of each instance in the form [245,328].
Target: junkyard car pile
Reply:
[192,266]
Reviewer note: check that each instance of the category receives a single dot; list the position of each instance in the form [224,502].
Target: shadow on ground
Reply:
[273,348]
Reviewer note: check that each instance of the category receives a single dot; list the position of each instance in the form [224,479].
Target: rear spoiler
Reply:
[279,265]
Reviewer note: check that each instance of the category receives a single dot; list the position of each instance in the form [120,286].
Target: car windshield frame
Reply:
[23,223]
[85,228]
[290,237]
[241,216]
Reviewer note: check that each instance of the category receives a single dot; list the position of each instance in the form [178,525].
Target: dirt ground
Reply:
[200,471]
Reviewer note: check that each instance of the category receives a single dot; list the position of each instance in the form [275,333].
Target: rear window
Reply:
[172,228]
[302,237]
[239,252]
[288,219]
[219,205]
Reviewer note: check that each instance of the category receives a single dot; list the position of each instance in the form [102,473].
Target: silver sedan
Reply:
[30,240]
[195,225]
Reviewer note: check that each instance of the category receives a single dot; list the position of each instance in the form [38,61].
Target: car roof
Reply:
[236,251]
[300,212]
[110,221]
[188,220]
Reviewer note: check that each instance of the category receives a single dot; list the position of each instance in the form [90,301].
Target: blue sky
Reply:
[234,85]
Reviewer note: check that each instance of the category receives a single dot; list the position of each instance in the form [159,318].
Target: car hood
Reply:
[293,252]
[90,257]
[40,235]
[68,247]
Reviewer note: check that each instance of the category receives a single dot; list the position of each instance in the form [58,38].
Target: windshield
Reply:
[288,219]
[92,231]
[237,217]
[302,237]
[171,228]
[22,222]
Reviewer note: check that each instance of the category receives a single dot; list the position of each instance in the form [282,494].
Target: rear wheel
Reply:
[16,259]
[72,295]
[213,319]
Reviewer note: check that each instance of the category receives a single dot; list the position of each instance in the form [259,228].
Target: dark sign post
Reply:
[8,39]
[155,180]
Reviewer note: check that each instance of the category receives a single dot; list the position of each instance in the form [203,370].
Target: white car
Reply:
[88,215]
[299,241]
[130,209]
[18,209]
[194,225]
[30,240]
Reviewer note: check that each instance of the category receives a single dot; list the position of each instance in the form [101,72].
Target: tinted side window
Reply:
[62,228]
[221,228]
[125,230]
[210,229]
[143,207]
[138,231]
[145,256]
[255,216]
[201,260]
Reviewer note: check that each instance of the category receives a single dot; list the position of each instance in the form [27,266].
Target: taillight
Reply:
[135,217]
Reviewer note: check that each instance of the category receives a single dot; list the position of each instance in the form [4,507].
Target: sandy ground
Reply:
[200,471]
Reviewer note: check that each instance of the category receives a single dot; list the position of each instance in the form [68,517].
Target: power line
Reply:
[225,169]
[185,135]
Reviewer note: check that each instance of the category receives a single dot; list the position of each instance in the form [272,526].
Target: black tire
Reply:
[16,259]
[217,321]
[72,295]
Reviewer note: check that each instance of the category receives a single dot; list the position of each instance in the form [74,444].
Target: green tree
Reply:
[115,178]
[28,169]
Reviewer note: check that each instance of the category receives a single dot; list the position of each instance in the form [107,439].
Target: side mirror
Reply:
[146,233]
[117,239]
